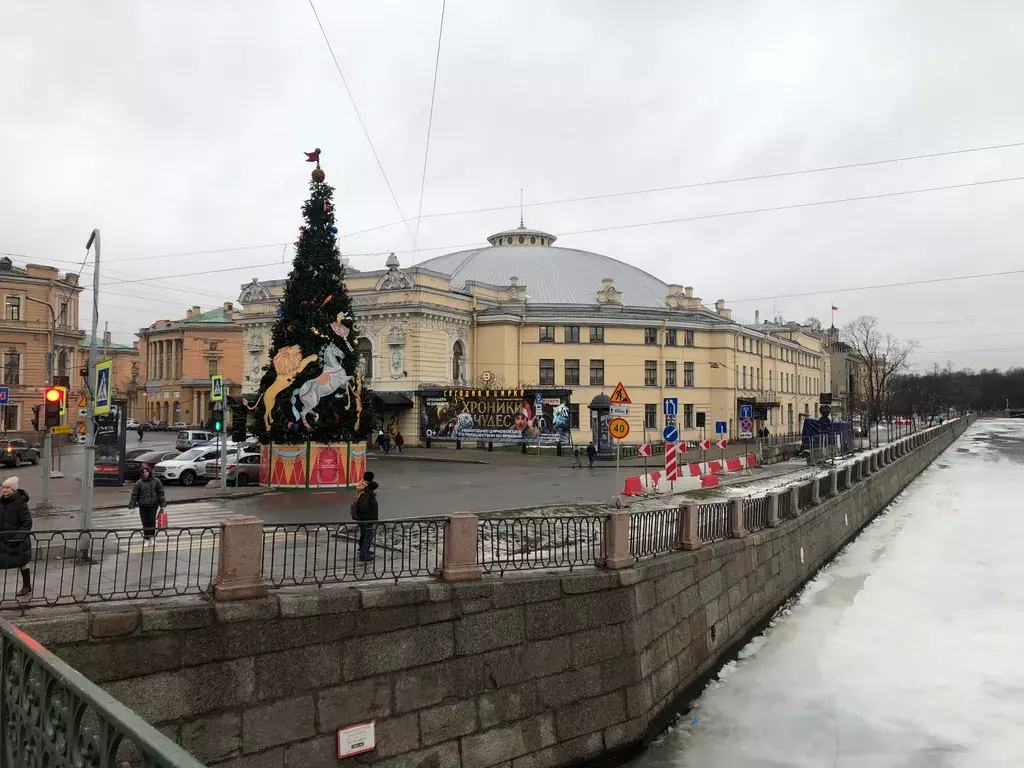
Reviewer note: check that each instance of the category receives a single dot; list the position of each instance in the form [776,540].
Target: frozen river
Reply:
[908,650]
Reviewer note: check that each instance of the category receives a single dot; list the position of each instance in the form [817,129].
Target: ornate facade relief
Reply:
[254,292]
[395,279]
[396,353]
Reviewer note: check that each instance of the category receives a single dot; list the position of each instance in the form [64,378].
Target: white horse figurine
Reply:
[333,378]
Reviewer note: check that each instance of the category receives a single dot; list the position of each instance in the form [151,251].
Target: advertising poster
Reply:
[108,464]
[327,465]
[356,462]
[288,465]
[496,416]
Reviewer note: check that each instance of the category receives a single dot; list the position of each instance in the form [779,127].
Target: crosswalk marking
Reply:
[198,514]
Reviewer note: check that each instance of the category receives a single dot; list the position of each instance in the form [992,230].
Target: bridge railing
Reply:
[518,543]
[51,715]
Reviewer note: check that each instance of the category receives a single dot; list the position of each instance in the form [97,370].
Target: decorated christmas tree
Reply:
[312,390]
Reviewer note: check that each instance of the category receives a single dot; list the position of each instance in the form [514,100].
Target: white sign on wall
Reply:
[357,739]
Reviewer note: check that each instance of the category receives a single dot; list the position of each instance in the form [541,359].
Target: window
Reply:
[572,334]
[12,308]
[744,377]
[597,334]
[64,314]
[670,373]
[12,367]
[11,418]
[597,373]
[651,336]
[670,338]
[687,374]
[687,338]
[744,343]
[212,367]
[365,347]
[650,373]
[574,415]
[458,355]
[214,346]
[651,416]
[547,333]
[572,372]
[62,363]
[687,416]
[547,372]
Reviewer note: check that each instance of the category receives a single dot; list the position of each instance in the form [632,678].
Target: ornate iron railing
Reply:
[321,553]
[714,521]
[785,505]
[755,513]
[806,495]
[50,715]
[654,532]
[525,543]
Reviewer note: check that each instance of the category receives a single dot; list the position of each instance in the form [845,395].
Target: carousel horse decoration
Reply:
[333,378]
[288,363]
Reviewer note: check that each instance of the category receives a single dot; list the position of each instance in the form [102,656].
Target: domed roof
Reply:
[550,274]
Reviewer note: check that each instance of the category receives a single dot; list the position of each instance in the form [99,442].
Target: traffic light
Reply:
[35,417]
[217,412]
[54,396]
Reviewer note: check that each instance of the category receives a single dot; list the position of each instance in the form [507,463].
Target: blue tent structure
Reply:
[821,432]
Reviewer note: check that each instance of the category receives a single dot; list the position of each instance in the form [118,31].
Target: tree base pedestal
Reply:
[312,465]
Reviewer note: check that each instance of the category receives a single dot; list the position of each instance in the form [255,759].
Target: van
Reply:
[190,438]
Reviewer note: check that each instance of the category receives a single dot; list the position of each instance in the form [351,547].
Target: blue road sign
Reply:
[671,434]
[5,395]
[746,411]
[670,405]
[721,428]
[539,399]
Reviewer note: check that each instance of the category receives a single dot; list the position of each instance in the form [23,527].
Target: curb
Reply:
[438,459]
[54,511]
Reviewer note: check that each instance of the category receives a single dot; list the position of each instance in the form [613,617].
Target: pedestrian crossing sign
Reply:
[104,392]
[216,389]
[620,396]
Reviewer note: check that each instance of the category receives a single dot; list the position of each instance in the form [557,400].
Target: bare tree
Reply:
[813,323]
[883,356]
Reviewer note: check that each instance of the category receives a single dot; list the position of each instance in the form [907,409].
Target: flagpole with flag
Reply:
[834,310]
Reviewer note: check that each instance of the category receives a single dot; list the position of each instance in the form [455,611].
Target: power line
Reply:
[430,123]
[969,335]
[964,351]
[359,116]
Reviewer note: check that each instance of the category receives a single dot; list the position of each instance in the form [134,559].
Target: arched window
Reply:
[458,357]
[62,363]
[366,358]
[12,367]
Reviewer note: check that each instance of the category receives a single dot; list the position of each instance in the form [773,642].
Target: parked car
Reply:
[231,453]
[14,453]
[131,425]
[185,468]
[133,463]
[160,426]
[190,438]
[181,425]
[242,470]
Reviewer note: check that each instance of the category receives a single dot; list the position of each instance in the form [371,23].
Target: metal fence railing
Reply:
[755,514]
[805,496]
[328,553]
[714,521]
[842,483]
[526,543]
[824,486]
[786,505]
[654,532]
[119,565]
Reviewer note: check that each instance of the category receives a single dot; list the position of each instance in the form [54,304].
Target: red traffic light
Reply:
[53,395]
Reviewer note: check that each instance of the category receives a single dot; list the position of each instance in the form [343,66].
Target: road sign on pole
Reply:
[620,411]
[746,429]
[670,405]
[746,411]
[618,428]
[671,462]
[104,388]
[722,444]
[644,449]
[620,396]
[704,445]
[216,389]
[721,428]
[670,434]
[5,395]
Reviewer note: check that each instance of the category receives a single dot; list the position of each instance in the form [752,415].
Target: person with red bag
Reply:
[148,495]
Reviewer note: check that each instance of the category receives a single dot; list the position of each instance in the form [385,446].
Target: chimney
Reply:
[757,317]
[721,310]
[106,338]
[228,306]
[196,310]
[688,291]
[135,345]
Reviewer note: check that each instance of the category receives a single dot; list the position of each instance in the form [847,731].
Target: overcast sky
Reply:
[179,127]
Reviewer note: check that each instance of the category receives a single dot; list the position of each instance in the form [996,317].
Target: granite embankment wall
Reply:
[523,672]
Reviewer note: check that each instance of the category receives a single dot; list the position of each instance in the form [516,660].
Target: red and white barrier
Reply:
[688,477]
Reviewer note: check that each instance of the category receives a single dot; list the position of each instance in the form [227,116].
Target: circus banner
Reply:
[497,416]
[288,466]
[356,462]
[313,465]
[327,465]
[264,465]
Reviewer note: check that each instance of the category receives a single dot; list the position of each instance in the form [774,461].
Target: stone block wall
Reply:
[525,671]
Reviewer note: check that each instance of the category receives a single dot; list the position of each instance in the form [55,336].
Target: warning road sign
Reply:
[644,449]
[217,389]
[620,396]
[704,445]
[618,428]
[671,462]
[723,444]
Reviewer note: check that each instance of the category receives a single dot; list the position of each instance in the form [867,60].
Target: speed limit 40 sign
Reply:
[618,428]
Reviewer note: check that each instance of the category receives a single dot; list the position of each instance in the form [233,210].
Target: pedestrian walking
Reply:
[577,457]
[15,524]
[366,512]
[383,441]
[141,432]
[399,442]
[591,454]
[148,495]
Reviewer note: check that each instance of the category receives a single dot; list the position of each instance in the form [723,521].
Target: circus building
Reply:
[514,340]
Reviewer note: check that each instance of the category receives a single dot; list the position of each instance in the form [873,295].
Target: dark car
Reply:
[134,460]
[162,426]
[14,453]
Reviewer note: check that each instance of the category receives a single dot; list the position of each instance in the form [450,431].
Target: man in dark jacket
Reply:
[15,524]
[591,454]
[148,495]
[367,513]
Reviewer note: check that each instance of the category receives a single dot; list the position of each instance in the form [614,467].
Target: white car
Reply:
[186,468]
[131,425]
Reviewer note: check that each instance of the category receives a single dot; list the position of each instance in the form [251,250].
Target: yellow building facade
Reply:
[522,313]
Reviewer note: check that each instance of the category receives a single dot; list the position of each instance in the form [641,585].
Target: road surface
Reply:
[906,651]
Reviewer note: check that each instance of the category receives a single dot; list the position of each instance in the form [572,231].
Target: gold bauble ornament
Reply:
[319,175]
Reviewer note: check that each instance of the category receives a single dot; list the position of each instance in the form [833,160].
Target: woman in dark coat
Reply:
[15,524]
[148,496]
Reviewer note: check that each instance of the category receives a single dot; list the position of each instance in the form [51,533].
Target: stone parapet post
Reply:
[616,540]
[773,510]
[815,491]
[240,560]
[833,489]
[460,543]
[736,513]
[794,500]
[689,518]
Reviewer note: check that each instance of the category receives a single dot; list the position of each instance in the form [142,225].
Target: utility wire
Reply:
[430,123]
[359,116]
